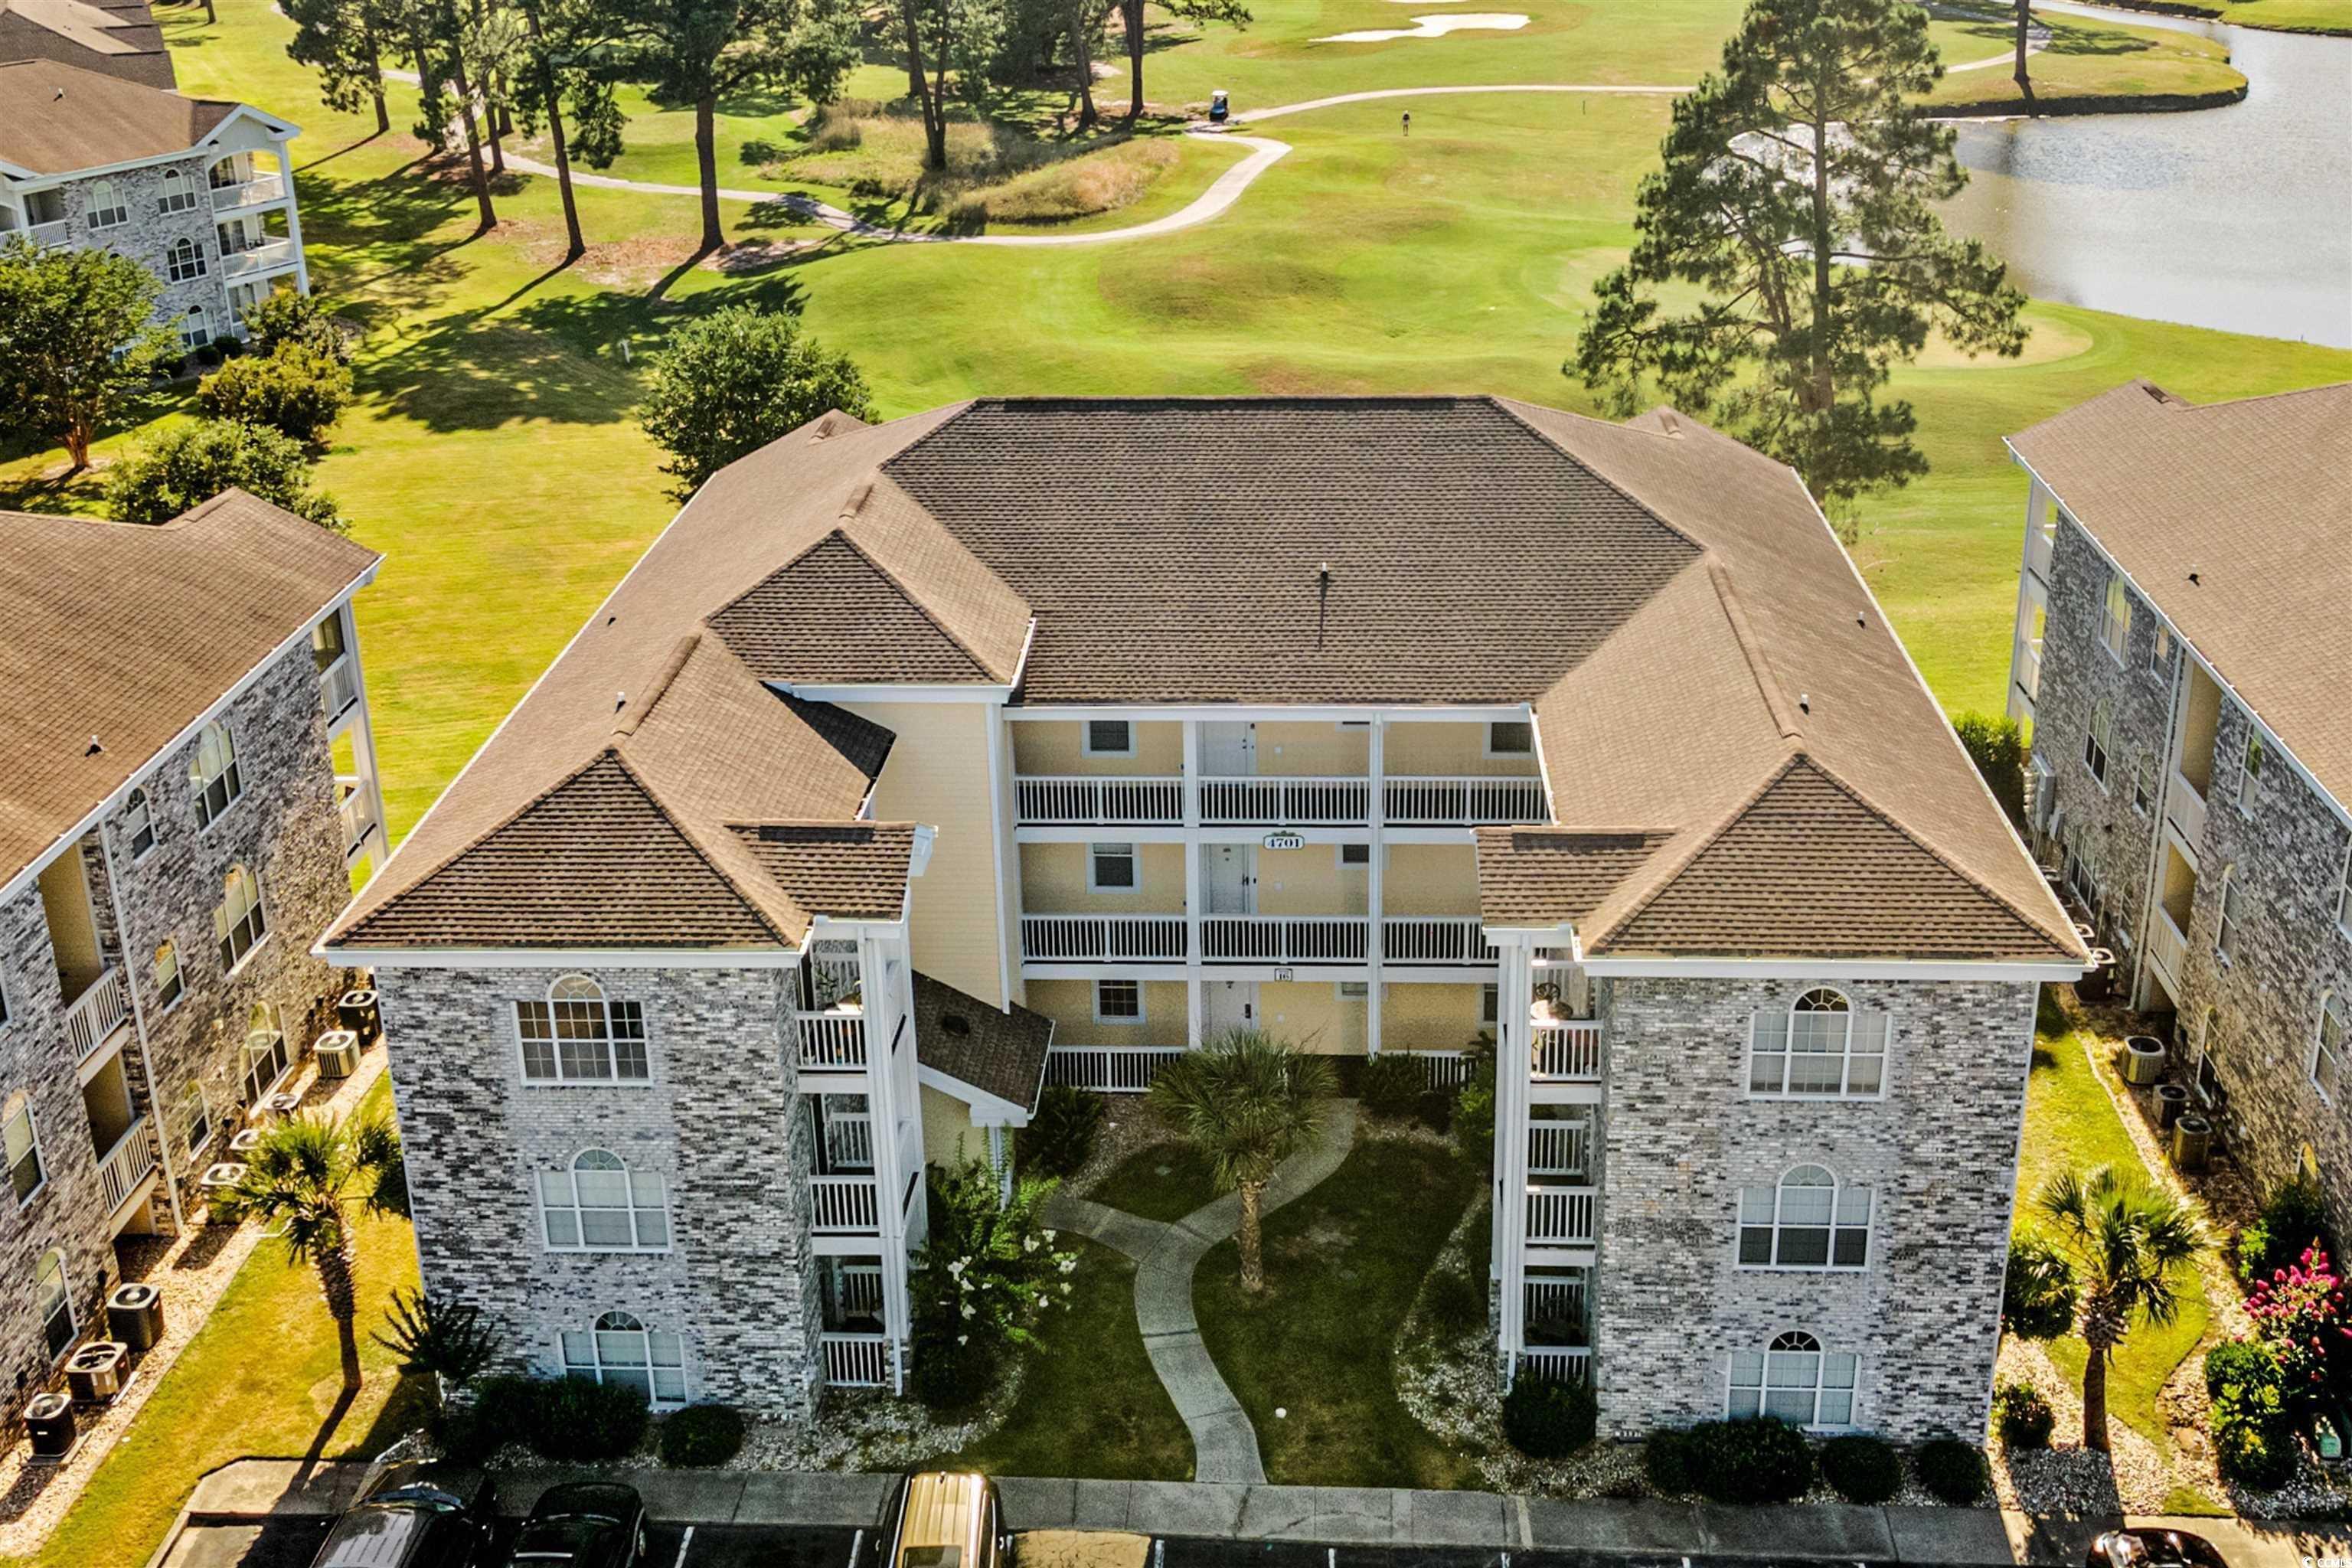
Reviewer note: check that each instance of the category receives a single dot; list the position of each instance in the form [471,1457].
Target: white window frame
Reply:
[558,1194]
[2116,619]
[1086,746]
[1874,1024]
[1120,1020]
[1775,1222]
[21,1106]
[566,1003]
[171,990]
[2225,914]
[2206,1078]
[253,921]
[2142,782]
[178,193]
[139,822]
[2159,653]
[2098,741]
[215,763]
[48,1312]
[1490,1006]
[184,261]
[597,1369]
[108,209]
[2344,897]
[1351,991]
[202,1117]
[2329,1046]
[2252,761]
[1340,858]
[196,328]
[1113,850]
[1796,1342]
[1486,739]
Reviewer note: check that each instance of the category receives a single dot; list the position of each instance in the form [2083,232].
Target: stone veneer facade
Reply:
[720,1120]
[284,827]
[1681,1135]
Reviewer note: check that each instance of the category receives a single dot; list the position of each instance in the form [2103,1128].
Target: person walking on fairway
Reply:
[1408,121]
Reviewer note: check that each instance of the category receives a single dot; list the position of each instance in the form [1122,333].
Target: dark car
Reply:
[583,1524]
[415,1516]
[2154,1548]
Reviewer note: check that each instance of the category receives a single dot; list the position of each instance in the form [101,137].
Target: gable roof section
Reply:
[850,870]
[1000,1052]
[1551,876]
[2236,519]
[832,615]
[57,118]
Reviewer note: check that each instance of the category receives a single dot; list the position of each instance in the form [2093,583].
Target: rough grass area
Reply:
[2084,61]
[263,1376]
[1343,1265]
[1090,1404]
[1163,1182]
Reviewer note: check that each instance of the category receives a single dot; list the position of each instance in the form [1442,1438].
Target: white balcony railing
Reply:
[1463,802]
[855,1361]
[1558,1148]
[2168,947]
[96,1014]
[1434,939]
[266,257]
[358,812]
[845,1204]
[1442,1070]
[53,234]
[1283,939]
[2184,807]
[1559,1217]
[338,687]
[123,1168]
[1567,1050]
[1286,801]
[2038,541]
[249,192]
[849,1141]
[1555,1300]
[1048,802]
[1102,939]
[1108,1069]
[1557,1363]
[833,1039]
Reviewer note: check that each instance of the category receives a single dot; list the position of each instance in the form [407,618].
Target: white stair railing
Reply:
[855,1361]
[121,1168]
[97,1013]
[1557,1363]
[1556,1148]
[831,1039]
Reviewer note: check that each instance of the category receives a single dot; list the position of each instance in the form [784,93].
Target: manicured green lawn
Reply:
[1091,1405]
[1342,1266]
[1164,1182]
[262,1377]
[2083,60]
[2282,15]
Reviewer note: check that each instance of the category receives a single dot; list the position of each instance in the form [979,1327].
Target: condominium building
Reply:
[173,836]
[199,190]
[1023,740]
[2185,568]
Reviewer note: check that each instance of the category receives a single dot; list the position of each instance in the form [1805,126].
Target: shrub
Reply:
[2293,1220]
[1473,1105]
[1454,1303]
[2037,1293]
[499,1413]
[1862,1468]
[736,380]
[1549,1420]
[1392,1085]
[287,317]
[1951,1470]
[1666,1460]
[1061,1136]
[701,1436]
[573,1419]
[1996,746]
[951,1376]
[190,464]
[2247,1362]
[208,356]
[2253,1438]
[2303,1313]
[2022,1416]
[1749,1461]
[300,391]
[228,345]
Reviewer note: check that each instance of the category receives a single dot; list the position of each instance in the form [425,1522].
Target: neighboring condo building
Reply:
[198,190]
[1021,739]
[173,838]
[2186,573]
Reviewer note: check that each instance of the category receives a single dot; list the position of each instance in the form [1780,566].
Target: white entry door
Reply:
[1228,749]
[1229,878]
[1227,1004]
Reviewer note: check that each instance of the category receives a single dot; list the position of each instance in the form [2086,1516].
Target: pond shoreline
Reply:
[2195,13]
[2052,107]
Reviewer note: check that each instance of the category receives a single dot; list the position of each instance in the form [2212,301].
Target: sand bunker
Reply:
[1434,28]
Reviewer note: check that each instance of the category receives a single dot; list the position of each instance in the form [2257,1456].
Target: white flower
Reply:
[1051,1234]
[1068,1262]
[963,1339]
[1065,1290]
[966,1309]
[956,1268]
[1029,1244]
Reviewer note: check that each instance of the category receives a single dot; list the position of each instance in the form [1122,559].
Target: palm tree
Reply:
[1247,1101]
[2127,1240]
[304,1177]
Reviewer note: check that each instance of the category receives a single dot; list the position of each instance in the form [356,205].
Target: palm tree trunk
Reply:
[2095,1399]
[1253,1195]
[335,1283]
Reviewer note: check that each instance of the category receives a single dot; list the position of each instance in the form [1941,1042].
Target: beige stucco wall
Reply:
[1431,879]
[939,773]
[1446,750]
[1056,747]
[1320,749]
[1430,1017]
[1071,1005]
[1309,882]
[949,1137]
[1054,882]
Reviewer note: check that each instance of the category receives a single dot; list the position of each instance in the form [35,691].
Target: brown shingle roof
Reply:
[998,1051]
[850,870]
[2236,519]
[1551,876]
[129,633]
[57,118]
[834,614]
[117,39]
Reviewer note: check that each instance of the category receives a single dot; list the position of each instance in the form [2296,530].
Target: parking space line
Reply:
[684,1546]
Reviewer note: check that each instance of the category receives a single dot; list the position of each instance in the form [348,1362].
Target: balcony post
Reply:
[1375,865]
[1514,1063]
[293,217]
[1191,790]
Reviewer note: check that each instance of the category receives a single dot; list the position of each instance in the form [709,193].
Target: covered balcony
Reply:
[1557,1338]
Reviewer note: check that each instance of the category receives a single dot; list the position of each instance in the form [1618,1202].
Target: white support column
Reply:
[362,732]
[887,1105]
[1375,871]
[1193,998]
[293,214]
[1513,1062]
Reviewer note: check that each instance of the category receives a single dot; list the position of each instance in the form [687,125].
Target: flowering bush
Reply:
[2302,1312]
[986,1276]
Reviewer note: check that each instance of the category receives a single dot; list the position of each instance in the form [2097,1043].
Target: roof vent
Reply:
[2192,579]
[94,747]
[1804,702]
[955,1024]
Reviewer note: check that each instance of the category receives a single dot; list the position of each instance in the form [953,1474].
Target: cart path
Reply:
[1224,1443]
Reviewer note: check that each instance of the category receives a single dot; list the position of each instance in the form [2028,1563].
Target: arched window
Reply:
[52,1302]
[240,922]
[138,823]
[578,1036]
[2114,618]
[1795,1380]
[168,986]
[213,775]
[106,208]
[1807,1221]
[600,1204]
[622,1350]
[177,193]
[2329,1043]
[25,1175]
[185,260]
[2097,738]
[196,1116]
[1819,1047]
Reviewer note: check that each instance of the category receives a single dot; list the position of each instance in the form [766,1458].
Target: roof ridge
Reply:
[1509,408]
[1752,646]
[636,710]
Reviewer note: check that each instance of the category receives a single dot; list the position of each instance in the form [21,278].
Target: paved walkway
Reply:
[1224,1443]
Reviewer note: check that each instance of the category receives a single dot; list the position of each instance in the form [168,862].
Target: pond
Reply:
[2238,218]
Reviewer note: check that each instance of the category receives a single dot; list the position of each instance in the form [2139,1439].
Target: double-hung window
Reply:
[177,193]
[1118,1001]
[621,1349]
[213,776]
[1109,738]
[1111,868]
[53,1303]
[600,1205]
[196,1115]
[240,922]
[576,1036]
[25,1176]
[169,984]
[138,823]
[185,261]
[107,207]
[2143,785]
[2159,653]
[1819,1047]
[2250,778]
[2114,618]
[2329,1043]
[1806,1221]
[1795,1380]
[2225,928]
[2344,895]
[2098,738]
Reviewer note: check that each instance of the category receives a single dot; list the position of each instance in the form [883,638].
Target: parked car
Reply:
[2154,1548]
[583,1524]
[947,1521]
[415,1516]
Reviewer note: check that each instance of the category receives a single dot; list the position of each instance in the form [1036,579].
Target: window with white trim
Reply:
[1118,1001]
[213,775]
[177,193]
[1355,856]
[196,328]
[2159,653]
[196,1116]
[1111,868]
[1795,1380]
[1109,738]
[23,1146]
[53,1302]
[2225,928]
[169,983]
[1818,1047]
[239,922]
[138,823]
[2097,738]
[599,1204]
[107,208]
[2328,1045]
[2210,1056]
[2344,895]
[1806,1221]
[2143,785]
[265,1058]
[1511,737]
[2114,618]
[576,1036]
[2250,773]
[185,261]
[621,1349]
[1490,1004]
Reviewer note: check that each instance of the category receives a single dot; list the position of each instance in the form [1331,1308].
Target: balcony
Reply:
[1102,939]
[2184,810]
[1435,939]
[252,192]
[1557,1363]
[339,688]
[1286,801]
[2168,948]
[96,1016]
[1558,1148]
[51,236]
[124,1170]
[2039,541]
[1157,801]
[271,256]
[1062,802]
[1283,939]
[1108,1069]
[1463,802]
[358,812]
[1560,1215]
[855,1361]
[834,1038]
[845,1205]
[1566,1050]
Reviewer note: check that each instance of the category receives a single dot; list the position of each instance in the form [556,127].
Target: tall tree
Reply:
[343,41]
[736,380]
[1131,17]
[2024,28]
[559,38]
[437,36]
[2128,1242]
[1247,1101]
[1798,198]
[76,341]
[951,45]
